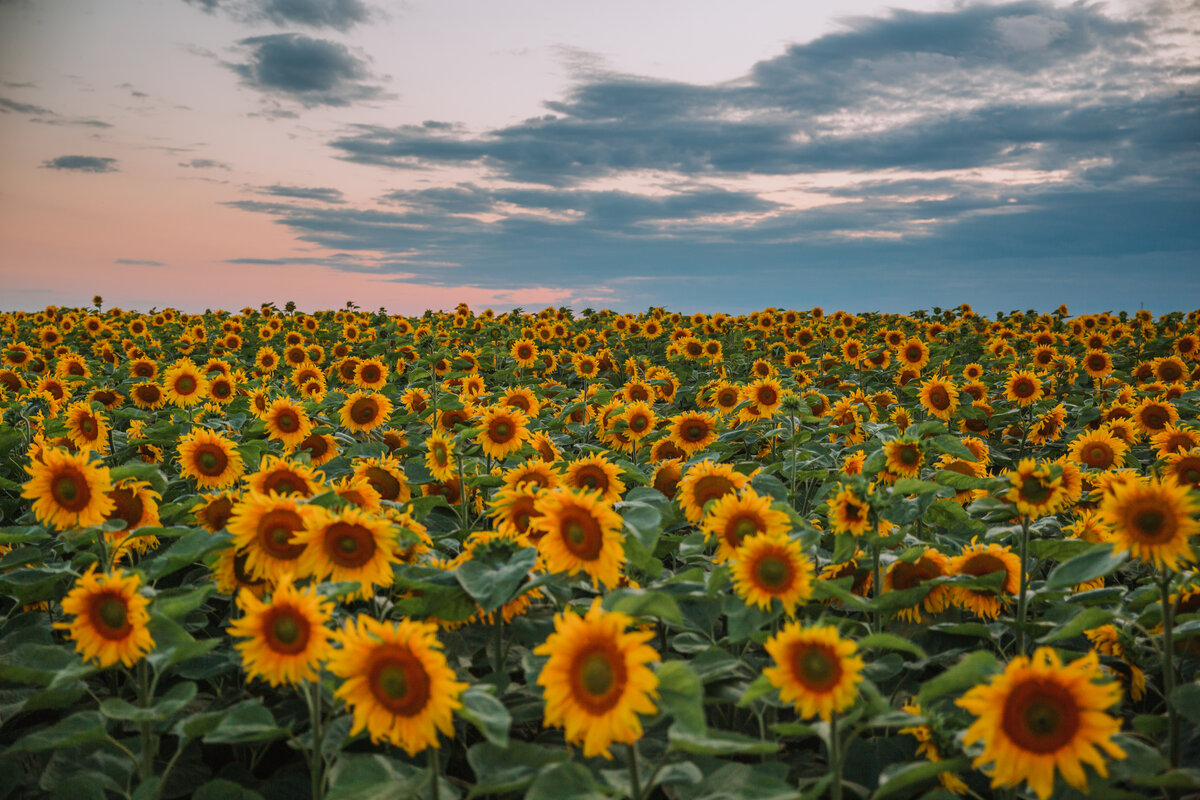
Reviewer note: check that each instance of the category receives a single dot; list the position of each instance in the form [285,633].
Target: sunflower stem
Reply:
[1023,586]
[434,769]
[635,782]
[1168,667]
[878,583]
[835,758]
[316,761]
[498,660]
[146,762]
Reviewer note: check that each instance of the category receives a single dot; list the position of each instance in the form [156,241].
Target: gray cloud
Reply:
[7,105]
[82,164]
[340,15]
[139,262]
[311,72]
[323,194]
[204,163]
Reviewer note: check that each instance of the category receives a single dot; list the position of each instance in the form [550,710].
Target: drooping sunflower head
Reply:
[110,618]
[1153,520]
[815,669]
[68,490]
[597,680]
[283,641]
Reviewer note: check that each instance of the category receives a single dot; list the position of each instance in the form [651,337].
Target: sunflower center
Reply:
[767,396]
[909,455]
[712,487]
[773,572]
[287,632]
[349,545]
[582,537]
[384,483]
[1099,455]
[939,398]
[364,410]
[1023,388]
[185,385]
[399,681]
[592,478]
[596,674]
[88,426]
[1152,524]
[501,431]
[694,432]
[816,666]
[1040,716]
[70,490]
[112,614]
[287,421]
[1034,491]
[209,461]
[639,423]
[743,527]
[275,534]
[129,507]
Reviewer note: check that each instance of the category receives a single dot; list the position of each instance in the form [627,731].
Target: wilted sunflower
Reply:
[212,460]
[505,431]
[693,431]
[732,518]
[1039,717]
[287,422]
[580,532]
[364,411]
[267,527]
[184,385]
[597,680]
[110,618]
[1153,520]
[67,490]
[285,640]
[396,682]
[595,473]
[707,481]
[772,565]
[815,669]
[348,545]
[978,560]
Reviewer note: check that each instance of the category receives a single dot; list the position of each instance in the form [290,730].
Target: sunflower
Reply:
[1039,717]
[148,396]
[815,669]
[939,397]
[513,508]
[136,504]
[286,640]
[597,680]
[287,422]
[505,431]
[639,419]
[539,473]
[1097,364]
[371,374]
[666,477]
[580,531]
[1153,520]
[772,565]
[266,526]
[283,476]
[1034,488]
[903,575]
[386,477]
[1184,467]
[416,400]
[978,560]
[215,510]
[913,354]
[1097,449]
[524,352]
[184,385]
[348,545]
[693,431]
[707,481]
[321,448]
[766,394]
[396,682]
[357,490]
[1171,439]
[439,457]
[731,519]
[849,513]
[68,491]
[86,428]
[210,458]
[595,473]
[904,457]
[1023,388]
[110,618]
[364,411]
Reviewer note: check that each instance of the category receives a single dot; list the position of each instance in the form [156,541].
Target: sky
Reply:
[699,156]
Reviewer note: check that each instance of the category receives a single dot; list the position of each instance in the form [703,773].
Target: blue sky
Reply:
[698,156]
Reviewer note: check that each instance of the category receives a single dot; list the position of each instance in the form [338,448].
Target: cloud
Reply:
[82,164]
[341,15]
[311,72]
[204,163]
[1021,136]
[304,193]
[138,262]
[7,105]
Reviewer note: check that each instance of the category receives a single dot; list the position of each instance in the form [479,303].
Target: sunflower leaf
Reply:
[492,580]
[487,714]
[1095,563]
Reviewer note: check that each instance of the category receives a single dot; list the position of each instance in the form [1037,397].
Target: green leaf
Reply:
[140,471]
[956,480]
[85,727]
[33,663]
[759,687]
[178,603]
[172,702]
[887,641]
[905,486]
[642,520]
[644,603]
[186,551]
[374,777]
[972,670]
[492,580]
[508,770]
[243,723]
[487,714]
[681,694]
[1186,701]
[901,780]
[1086,619]
[718,743]
[1094,563]
[949,443]
[565,781]
[770,485]
[221,789]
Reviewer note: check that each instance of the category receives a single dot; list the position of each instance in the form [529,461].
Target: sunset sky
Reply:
[694,155]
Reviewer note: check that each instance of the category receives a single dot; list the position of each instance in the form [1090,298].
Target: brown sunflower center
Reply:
[909,455]
[185,384]
[383,482]
[906,575]
[501,431]
[399,681]
[210,460]
[939,398]
[582,535]
[816,666]
[315,445]
[639,423]
[110,617]
[285,482]
[1040,716]
[1034,491]
[287,420]
[1023,387]
[70,490]
[711,487]
[598,677]
[369,373]
[773,572]
[129,507]
[275,534]
[349,545]
[1152,524]
[364,410]
[767,396]
[592,477]
[286,631]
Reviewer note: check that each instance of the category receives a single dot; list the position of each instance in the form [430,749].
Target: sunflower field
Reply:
[562,556]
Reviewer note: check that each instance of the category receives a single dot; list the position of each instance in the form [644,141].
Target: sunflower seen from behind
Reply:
[596,680]
[396,682]
[1039,717]
[110,618]
[285,640]
[815,669]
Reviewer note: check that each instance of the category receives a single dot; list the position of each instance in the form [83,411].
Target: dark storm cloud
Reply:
[323,194]
[204,163]
[312,72]
[139,262]
[340,15]
[1095,105]
[82,164]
